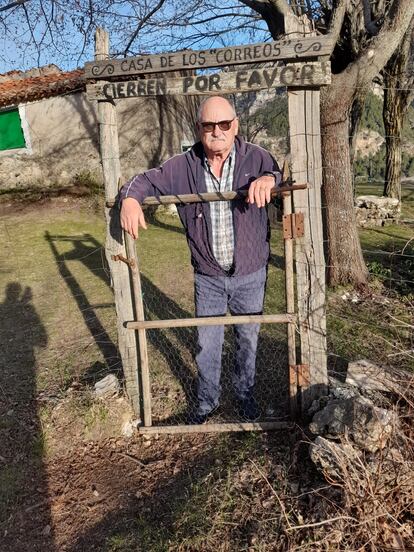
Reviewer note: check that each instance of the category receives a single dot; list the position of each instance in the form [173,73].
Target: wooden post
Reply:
[142,334]
[305,148]
[109,150]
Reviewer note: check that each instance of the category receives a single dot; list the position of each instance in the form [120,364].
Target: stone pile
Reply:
[349,424]
[376,211]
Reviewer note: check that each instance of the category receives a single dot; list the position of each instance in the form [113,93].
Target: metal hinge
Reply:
[293,226]
[300,373]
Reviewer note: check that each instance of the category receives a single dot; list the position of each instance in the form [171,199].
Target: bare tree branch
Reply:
[337,19]
[141,24]
[13,5]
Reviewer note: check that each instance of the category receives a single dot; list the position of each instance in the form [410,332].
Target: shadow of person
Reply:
[25,518]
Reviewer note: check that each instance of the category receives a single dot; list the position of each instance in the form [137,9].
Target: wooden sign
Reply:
[307,47]
[294,74]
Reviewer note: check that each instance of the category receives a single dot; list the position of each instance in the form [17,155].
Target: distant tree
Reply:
[398,95]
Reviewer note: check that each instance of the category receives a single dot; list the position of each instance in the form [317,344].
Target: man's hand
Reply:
[260,190]
[132,217]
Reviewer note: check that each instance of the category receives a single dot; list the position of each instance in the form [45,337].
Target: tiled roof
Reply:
[18,87]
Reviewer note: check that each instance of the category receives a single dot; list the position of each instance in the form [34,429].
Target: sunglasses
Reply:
[223,125]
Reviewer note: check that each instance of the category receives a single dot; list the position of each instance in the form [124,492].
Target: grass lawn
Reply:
[53,270]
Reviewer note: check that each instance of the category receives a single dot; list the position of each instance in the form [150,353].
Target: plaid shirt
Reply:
[220,211]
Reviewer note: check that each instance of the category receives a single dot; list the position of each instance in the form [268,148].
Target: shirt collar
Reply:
[229,158]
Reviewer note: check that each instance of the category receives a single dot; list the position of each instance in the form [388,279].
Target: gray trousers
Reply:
[213,297]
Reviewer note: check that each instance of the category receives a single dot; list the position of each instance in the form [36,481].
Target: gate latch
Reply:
[293,226]
[129,262]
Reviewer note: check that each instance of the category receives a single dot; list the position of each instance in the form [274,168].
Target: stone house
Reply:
[49,135]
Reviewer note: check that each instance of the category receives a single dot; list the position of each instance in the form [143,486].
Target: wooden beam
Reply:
[212,321]
[217,428]
[289,49]
[295,74]
[109,151]
[208,196]
[142,337]
[305,148]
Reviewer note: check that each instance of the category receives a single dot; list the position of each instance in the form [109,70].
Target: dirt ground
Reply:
[132,494]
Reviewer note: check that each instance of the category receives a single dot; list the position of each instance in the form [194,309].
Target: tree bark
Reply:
[398,83]
[345,263]
[393,114]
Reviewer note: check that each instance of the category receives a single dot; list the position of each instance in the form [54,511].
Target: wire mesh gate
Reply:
[167,341]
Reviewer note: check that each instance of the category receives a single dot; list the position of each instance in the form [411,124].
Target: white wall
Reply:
[63,139]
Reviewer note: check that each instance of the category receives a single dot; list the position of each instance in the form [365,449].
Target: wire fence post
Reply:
[305,147]
[111,168]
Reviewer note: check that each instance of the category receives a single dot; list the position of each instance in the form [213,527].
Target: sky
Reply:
[67,48]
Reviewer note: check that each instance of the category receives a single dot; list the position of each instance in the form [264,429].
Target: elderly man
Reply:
[228,241]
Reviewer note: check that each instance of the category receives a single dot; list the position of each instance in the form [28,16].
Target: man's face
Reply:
[217,141]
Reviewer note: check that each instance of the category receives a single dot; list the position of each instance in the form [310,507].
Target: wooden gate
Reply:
[302,219]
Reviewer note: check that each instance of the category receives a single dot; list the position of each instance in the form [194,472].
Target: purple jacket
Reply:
[184,174]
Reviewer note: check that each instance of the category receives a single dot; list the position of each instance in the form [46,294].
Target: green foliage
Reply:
[407,164]
[378,269]
[408,126]
[373,166]
[371,117]
[87,179]
[272,117]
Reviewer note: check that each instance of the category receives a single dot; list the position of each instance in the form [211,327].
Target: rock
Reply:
[107,386]
[328,456]
[370,427]
[344,392]
[367,375]
[129,428]
[376,211]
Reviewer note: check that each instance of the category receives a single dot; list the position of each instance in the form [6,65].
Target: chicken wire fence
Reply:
[174,359]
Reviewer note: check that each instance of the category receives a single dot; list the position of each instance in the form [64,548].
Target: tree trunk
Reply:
[355,120]
[344,255]
[398,83]
[393,119]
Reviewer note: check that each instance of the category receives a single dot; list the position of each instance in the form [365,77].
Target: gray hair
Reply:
[200,107]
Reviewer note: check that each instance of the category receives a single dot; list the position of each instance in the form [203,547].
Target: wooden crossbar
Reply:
[212,321]
[217,428]
[208,196]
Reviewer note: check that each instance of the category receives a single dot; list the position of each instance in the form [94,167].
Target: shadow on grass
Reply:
[175,347]
[383,232]
[25,518]
[155,221]
[158,306]
[87,250]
